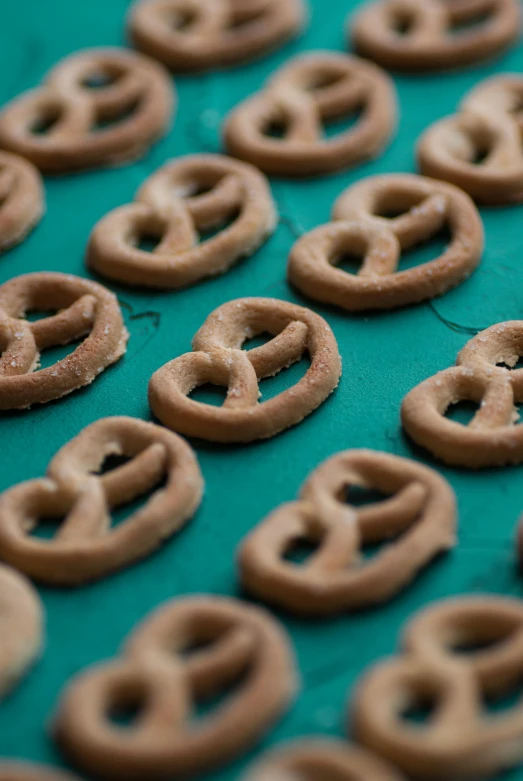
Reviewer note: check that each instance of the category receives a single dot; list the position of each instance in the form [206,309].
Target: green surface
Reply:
[384,355]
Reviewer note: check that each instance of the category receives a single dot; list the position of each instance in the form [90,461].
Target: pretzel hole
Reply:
[181,20]
[110,118]
[513,362]
[147,242]
[462,411]
[403,22]
[299,549]
[208,393]
[360,495]
[469,24]
[392,203]
[420,708]
[429,249]
[285,379]
[44,123]
[335,126]
[126,706]
[221,224]
[211,696]
[241,20]
[45,527]
[509,697]
[102,78]
[276,128]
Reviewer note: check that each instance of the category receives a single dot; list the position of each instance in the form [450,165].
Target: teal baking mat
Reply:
[384,355]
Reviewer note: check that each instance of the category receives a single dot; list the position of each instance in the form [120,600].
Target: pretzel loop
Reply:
[22,200]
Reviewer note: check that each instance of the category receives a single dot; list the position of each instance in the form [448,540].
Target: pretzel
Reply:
[428,206]
[489,124]
[219,359]
[86,309]
[421,35]
[27,771]
[245,651]
[21,627]
[459,740]
[321,760]
[168,205]
[305,93]
[86,547]
[421,508]
[22,199]
[61,126]
[195,35]
[491,438]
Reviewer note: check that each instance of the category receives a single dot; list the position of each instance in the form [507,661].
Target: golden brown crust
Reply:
[18,770]
[73,109]
[22,199]
[219,359]
[166,206]
[361,230]
[306,92]
[238,647]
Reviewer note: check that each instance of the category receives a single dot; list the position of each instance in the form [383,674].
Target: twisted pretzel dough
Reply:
[428,205]
[459,740]
[169,205]
[489,125]
[421,508]
[27,771]
[238,648]
[85,309]
[85,547]
[125,84]
[491,438]
[424,35]
[219,359]
[22,199]
[306,92]
[195,35]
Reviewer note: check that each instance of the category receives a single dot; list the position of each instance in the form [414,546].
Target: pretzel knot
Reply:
[171,206]
[85,547]
[219,359]
[459,740]
[311,90]
[425,35]
[492,437]
[183,654]
[480,149]
[194,35]
[97,107]
[427,206]
[85,309]
[419,517]
[22,200]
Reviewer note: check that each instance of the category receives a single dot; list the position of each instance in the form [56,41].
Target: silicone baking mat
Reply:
[384,355]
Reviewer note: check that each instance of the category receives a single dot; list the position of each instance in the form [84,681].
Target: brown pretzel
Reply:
[79,95]
[428,206]
[86,309]
[219,359]
[421,508]
[25,771]
[321,760]
[489,125]
[85,547]
[195,35]
[421,35]
[307,92]
[169,206]
[238,648]
[22,199]
[491,438]
[21,627]
[459,740]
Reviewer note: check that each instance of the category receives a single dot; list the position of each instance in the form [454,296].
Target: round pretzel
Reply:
[305,93]
[491,438]
[86,309]
[459,740]
[321,760]
[22,199]
[195,35]
[428,206]
[168,205]
[14,770]
[60,126]
[421,35]
[238,648]
[421,508]
[219,359]
[21,627]
[489,125]
[85,547]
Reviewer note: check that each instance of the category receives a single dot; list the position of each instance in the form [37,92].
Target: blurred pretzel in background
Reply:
[22,199]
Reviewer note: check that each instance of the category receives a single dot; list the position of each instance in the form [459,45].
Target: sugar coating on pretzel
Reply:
[360,229]
[182,654]
[22,199]
[195,35]
[306,92]
[418,517]
[85,547]
[168,206]
[18,770]
[97,107]
[218,358]
[83,309]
